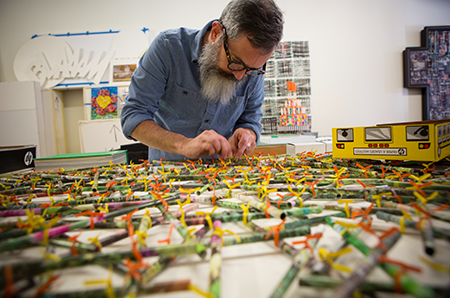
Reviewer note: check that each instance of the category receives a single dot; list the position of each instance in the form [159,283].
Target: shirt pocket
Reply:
[231,112]
[182,103]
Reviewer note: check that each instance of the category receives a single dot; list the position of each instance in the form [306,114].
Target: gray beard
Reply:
[216,84]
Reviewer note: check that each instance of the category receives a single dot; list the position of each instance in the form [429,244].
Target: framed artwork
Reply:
[285,111]
[122,70]
[104,103]
[428,67]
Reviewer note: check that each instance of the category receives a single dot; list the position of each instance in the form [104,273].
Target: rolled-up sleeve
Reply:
[147,86]
[251,117]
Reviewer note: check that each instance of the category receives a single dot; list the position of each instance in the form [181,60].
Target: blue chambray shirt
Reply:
[165,87]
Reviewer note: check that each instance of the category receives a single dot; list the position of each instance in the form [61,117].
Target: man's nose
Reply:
[239,74]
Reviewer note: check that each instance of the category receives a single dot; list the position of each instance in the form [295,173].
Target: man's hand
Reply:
[208,142]
[242,141]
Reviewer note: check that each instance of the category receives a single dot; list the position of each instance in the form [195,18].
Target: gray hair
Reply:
[261,20]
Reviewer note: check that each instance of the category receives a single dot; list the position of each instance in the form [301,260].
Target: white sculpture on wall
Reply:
[76,59]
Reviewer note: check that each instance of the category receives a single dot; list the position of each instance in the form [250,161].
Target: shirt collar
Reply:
[197,45]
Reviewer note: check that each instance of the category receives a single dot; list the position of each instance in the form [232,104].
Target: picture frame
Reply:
[428,68]
[104,103]
[121,94]
[121,71]
[290,62]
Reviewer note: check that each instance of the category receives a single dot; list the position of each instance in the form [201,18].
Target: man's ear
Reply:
[216,31]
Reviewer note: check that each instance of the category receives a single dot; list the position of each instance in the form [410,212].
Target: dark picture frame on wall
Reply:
[428,67]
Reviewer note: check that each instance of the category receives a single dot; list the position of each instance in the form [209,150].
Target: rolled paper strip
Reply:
[35,237]
[367,287]
[426,231]
[142,230]
[310,221]
[232,205]
[215,262]
[438,232]
[258,237]
[359,275]
[186,208]
[174,221]
[300,212]
[300,259]
[38,267]
[408,284]
[224,217]
[272,211]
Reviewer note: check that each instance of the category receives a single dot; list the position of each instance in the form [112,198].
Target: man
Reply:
[200,92]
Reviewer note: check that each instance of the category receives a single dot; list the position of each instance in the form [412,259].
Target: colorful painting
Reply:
[123,72]
[428,67]
[285,111]
[104,103]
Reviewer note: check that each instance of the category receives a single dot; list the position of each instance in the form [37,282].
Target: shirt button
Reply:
[207,120]
[185,92]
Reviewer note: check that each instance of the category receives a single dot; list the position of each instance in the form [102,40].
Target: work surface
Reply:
[263,253]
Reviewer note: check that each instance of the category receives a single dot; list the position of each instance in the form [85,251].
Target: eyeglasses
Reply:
[239,66]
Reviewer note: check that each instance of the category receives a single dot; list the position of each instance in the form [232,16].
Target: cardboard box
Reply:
[269,149]
[13,158]
[280,139]
[317,147]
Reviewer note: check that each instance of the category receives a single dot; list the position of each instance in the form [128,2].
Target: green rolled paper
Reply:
[272,211]
[426,231]
[161,263]
[22,270]
[437,232]
[300,259]
[300,212]
[323,267]
[408,284]
[142,229]
[258,237]
[365,266]
[215,262]
[224,217]
[367,287]
[174,221]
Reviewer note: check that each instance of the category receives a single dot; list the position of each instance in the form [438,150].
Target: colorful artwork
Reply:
[292,113]
[104,103]
[123,72]
[289,64]
[261,222]
[428,67]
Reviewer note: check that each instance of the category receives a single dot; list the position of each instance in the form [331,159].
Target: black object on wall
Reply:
[428,67]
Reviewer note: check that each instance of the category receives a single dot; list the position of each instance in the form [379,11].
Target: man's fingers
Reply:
[226,150]
[241,150]
[246,147]
[249,148]
[219,145]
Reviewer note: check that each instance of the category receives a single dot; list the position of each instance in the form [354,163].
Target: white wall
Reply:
[356,45]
